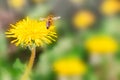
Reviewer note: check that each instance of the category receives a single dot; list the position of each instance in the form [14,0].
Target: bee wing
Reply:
[42,19]
[56,18]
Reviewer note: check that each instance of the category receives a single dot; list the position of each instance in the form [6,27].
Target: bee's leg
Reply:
[48,24]
[47,27]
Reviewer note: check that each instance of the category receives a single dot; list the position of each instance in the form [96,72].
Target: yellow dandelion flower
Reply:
[109,7]
[17,4]
[32,33]
[83,19]
[29,31]
[101,44]
[69,67]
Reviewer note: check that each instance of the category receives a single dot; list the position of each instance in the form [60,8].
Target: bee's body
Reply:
[49,20]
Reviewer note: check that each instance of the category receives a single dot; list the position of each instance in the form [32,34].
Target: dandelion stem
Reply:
[30,65]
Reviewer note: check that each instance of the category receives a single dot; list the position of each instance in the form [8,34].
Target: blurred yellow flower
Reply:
[83,19]
[101,44]
[29,31]
[70,67]
[109,7]
[17,4]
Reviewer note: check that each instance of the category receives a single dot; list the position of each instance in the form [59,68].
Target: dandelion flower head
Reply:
[70,67]
[110,7]
[29,31]
[101,44]
[17,4]
[83,19]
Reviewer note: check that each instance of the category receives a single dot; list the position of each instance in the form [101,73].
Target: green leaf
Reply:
[19,66]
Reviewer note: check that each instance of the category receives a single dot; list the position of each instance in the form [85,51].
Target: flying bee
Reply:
[50,20]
